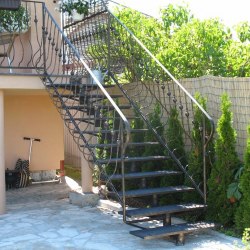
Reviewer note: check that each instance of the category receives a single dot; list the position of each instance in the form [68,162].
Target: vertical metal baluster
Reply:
[44,40]
[109,53]
[204,159]
[123,171]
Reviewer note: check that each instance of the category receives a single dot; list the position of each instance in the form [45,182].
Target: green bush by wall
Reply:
[242,218]
[222,173]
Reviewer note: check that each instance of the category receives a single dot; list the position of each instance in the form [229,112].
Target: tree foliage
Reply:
[190,47]
[173,17]
[243,31]
[196,49]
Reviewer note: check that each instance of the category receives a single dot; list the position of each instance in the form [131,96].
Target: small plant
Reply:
[80,6]
[246,238]
[233,190]
[14,20]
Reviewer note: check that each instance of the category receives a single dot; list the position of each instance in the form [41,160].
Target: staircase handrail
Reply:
[124,119]
[163,67]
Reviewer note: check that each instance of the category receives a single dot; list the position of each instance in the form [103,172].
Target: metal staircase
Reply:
[99,113]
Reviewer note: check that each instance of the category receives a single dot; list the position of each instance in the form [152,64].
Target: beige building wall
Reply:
[33,116]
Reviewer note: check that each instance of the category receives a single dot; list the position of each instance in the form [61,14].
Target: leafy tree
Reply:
[147,29]
[196,49]
[174,16]
[243,31]
[222,173]
[188,47]
[242,218]
[237,65]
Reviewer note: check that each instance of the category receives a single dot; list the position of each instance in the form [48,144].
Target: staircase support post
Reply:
[167,220]
[86,175]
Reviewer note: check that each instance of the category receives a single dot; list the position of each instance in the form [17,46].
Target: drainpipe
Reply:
[2,160]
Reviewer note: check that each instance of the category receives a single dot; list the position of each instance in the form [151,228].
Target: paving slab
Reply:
[41,217]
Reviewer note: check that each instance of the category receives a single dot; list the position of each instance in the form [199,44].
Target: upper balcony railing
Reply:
[36,45]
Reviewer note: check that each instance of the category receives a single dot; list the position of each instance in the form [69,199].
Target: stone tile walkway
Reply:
[41,217]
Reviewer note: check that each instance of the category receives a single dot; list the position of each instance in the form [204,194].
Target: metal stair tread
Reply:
[84,85]
[168,209]
[96,132]
[98,118]
[144,174]
[87,96]
[133,159]
[109,145]
[158,232]
[86,107]
[152,191]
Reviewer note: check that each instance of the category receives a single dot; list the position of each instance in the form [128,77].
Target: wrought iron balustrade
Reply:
[83,101]
[106,43]
[95,68]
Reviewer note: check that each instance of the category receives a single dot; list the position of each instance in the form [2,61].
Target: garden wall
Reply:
[238,90]
[212,88]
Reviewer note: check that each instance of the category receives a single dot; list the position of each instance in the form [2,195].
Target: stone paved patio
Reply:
[41,217]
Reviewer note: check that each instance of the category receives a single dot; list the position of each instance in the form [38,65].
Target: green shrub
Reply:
[175,142]
[14,20]
[246,238]
[137,123]
[222,173]
[151,150]
[135,151]
[242,218]
[195,158]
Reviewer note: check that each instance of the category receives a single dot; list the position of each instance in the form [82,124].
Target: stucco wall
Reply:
[33,116]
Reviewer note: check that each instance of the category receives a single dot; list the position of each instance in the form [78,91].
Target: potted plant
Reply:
[75,8]
[14,21]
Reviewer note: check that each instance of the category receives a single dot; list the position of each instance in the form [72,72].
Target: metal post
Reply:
[109,26]
[123,172]
[63,43]
[204,159]
[44,39]
[31,143]
[167,220]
